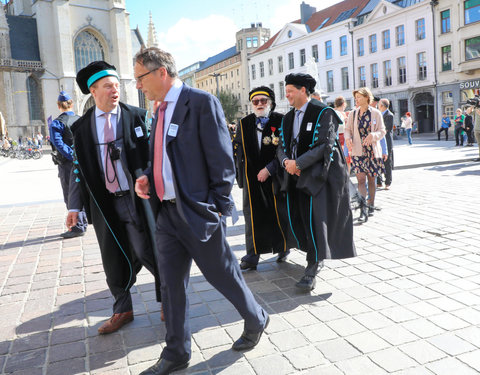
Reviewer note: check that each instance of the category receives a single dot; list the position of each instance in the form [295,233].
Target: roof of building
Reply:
[137,40]
[23,38]
[401,3]
[212,60]
[326,17]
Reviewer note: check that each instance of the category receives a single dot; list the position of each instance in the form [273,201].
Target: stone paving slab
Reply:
[408,304]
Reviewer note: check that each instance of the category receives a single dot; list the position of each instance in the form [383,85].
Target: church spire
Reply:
[152,34]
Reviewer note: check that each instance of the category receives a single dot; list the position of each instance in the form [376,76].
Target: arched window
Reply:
[87,49]
[34,99]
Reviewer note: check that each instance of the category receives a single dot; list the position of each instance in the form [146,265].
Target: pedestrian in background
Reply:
[407,124]
[259,174]
[469,126]
[383,106]
[40,139]
[476,129]
[446,123]
[363,132]
[459,127]
[62,155]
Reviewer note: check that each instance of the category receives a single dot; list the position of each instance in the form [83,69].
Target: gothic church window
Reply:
[34,99]
[87,49]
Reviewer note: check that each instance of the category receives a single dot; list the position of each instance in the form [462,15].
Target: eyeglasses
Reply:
[261,100]
[139,78]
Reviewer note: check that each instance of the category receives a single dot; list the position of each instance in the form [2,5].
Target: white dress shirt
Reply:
[100,125]
[171,98]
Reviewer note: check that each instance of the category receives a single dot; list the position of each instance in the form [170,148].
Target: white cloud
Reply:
[193,40]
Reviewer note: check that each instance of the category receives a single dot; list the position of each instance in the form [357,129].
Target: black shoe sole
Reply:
[306,288]
[250,267]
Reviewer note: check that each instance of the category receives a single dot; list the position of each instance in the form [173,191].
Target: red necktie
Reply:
[158,152]
[111,180]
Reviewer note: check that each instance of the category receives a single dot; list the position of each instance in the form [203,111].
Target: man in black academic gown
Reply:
[110,152]
[258,174]
[316,179]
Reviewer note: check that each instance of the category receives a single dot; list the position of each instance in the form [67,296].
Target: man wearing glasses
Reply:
[258,169]
[189,186]
[110,151]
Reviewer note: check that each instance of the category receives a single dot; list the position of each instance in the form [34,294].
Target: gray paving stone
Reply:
[395,335]
[359,366]
[448,366]
[144,353]
[221,356]
[451,344]
[448,321]
[108,362]
[346,326]
[212,338]
[288,340]
[305,357]
[423,328]
[235,369]
[30,342]
[25,360]
[318,332]
[422,351]
[66,351]
[392,359]
[470,334]
[373,320]
[367,342]
[337,350]
[273,364]
[300,318]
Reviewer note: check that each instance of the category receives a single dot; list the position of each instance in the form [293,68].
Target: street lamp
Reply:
[216,75]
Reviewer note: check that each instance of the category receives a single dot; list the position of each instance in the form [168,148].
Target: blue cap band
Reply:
[101,74]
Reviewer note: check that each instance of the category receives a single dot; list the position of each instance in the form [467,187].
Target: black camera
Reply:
[114,151]
[475,101]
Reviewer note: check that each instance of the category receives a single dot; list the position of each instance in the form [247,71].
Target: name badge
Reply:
[139,132]
[309,126]
[374,122]
[172,130]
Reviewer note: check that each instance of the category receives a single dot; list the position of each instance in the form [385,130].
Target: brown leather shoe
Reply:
[116,322]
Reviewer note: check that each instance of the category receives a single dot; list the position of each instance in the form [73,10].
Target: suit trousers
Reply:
[64,171]
[114,260]
[388,168]
[177,246]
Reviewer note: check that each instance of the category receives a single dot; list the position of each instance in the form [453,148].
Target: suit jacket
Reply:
[202,162]
[388,121]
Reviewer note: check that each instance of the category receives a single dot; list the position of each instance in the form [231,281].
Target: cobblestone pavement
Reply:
[408,304]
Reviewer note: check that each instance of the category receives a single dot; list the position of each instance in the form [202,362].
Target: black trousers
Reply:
[470,138]
[64,171]
[177,246]
[443,130]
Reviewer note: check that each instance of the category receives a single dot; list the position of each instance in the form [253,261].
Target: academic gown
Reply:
[325,229]
[264,210]
[119,260]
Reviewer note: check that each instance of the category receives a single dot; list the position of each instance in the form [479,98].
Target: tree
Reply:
[230,104]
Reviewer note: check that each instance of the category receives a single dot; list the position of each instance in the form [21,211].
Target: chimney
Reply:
[252,25]
[306,12]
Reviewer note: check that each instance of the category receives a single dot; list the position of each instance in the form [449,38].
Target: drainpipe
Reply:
[350,30]
[434,3]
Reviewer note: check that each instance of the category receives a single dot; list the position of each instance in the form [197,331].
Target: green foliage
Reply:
[230,104]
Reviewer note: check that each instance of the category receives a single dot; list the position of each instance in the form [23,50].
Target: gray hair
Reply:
[154,58]
[385,102]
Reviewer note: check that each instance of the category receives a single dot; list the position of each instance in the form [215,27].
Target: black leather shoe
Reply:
[371,210]
[247,266]
[249,339]
[72,234]
[307,283]
[164,367]
[282,257]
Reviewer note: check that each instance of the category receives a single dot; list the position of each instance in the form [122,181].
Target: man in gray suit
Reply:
[383,106]
[189,186]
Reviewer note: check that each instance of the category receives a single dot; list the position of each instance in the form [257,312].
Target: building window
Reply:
[249,42]
[238,72]
[374,71]
[446,58]
[387,71]
[422,66]
[240,44]
[291,61]
[472,11]
[255,41]
[303,58]
[343,45]
[262,70]
[270,67]
[448,110]
[362,77]
[254,75]
[34,99]
[280,64]
[400,35]
[386,39]
[87,49]
[345,85]
[445,16]
[420,29]
[373,43]
[281,87]
[272,87]
[330,80]
[315,52]
[328,49]
[360,47]
[472,48]
[402,70]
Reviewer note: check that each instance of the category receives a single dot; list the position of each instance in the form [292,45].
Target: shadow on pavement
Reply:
[33,241]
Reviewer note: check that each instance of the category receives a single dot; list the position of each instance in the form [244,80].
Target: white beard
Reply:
[263,112]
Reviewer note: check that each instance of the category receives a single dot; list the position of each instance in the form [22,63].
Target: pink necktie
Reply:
[111,181]
[158,152]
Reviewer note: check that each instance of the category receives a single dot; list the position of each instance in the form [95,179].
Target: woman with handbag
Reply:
[363,132]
